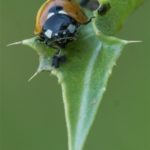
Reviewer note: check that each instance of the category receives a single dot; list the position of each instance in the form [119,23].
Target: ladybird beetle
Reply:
[57,23]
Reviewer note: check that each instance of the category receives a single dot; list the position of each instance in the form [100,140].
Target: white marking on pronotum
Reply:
[56,34]
[64,32]
[71,28]
[62,12]
[50,15]
[48,33]
[85,94]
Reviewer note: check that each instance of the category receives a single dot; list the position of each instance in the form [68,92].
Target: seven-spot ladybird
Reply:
[57,23]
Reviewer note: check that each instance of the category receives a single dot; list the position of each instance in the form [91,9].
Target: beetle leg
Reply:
[55,61]
[58,52]
[58,58]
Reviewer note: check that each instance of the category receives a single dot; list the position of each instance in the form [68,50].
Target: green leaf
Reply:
[83,83]
[83,77]
[89,64]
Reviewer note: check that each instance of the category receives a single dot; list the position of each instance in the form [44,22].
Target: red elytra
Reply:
[72,9]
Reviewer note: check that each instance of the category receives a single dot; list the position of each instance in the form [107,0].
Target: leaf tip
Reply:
[33,76]
[130,42]
[15,43]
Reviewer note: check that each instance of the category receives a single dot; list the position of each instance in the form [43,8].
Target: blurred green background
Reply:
[32,115]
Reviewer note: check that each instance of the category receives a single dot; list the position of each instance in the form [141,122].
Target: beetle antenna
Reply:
[90,20]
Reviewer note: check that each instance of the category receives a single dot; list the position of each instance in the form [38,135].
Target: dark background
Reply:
[32,115]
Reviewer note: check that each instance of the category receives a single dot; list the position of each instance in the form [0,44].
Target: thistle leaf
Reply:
[83,77]
[90,60]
